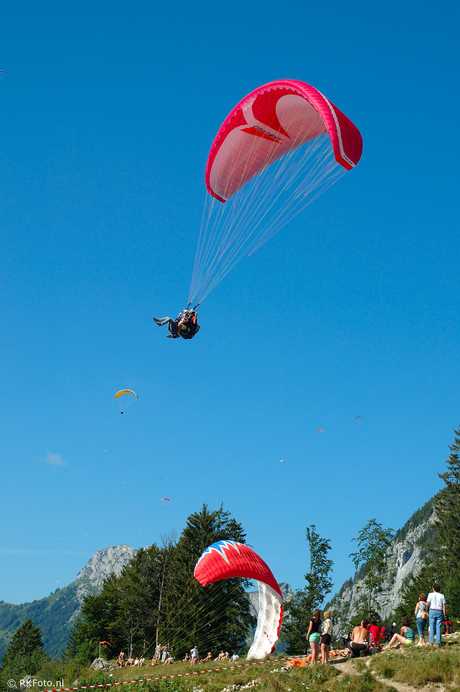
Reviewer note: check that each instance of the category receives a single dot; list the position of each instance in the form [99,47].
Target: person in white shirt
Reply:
[437,604]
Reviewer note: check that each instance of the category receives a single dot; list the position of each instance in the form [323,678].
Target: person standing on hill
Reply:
[421,613]
[437,603]
[326,637]
[313,635]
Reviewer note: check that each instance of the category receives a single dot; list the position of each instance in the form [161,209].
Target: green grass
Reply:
[420,666]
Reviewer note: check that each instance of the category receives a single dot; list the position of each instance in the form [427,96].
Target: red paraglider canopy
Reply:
[226,559]
[269,123]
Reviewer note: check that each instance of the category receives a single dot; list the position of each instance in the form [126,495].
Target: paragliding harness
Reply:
[447,627]
[189,326]
[388,633]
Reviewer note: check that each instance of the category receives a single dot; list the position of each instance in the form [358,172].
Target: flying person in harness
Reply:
[185,325]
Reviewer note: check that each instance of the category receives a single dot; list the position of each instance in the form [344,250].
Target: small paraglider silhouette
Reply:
[320,431]
[356,418]
[124,403]
[282,461]
[4,72]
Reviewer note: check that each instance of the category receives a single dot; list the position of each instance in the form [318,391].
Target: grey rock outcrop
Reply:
[405,558]
[105,562]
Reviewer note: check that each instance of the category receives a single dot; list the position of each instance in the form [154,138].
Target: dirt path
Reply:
[347,666]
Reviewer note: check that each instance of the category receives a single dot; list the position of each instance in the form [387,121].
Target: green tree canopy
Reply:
[447,508]
[157,600]
[373,543]
[25,653]
[318,584]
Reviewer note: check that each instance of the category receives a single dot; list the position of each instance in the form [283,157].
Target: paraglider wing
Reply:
[356,417]
[125,391]
[280,148]
[320,431]
[226,559]
[163,499]
[124,403]
[271,121]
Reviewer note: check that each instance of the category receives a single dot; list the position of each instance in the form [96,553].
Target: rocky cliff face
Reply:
[406,557]
[105,562]
[56,613]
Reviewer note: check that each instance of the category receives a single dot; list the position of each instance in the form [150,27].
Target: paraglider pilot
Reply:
[185,324]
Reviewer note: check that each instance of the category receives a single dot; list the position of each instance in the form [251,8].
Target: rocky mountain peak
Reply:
[105,562]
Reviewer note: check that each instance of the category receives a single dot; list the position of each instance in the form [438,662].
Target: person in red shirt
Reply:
[375,631]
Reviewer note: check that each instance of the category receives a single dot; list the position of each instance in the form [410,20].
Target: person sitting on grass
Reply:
[186,659]
[375,632]
[406,636]
[359,639]
[153,662]
[220,656]
[169,661]
[208,657]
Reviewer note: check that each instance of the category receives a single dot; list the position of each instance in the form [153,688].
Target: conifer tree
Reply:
[24,655]
[25,641]
[213,617]
[447,509]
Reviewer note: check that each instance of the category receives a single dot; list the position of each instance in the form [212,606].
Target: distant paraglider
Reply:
[165,499]
[320,431]
[226,559]
[356,418]
[125,402]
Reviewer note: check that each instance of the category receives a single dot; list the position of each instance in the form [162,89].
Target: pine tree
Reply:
[447,509]
[213,617]
[25,641]
[25,654]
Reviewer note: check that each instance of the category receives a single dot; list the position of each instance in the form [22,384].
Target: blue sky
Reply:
[108,113]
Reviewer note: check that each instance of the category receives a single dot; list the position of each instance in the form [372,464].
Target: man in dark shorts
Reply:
[359,639]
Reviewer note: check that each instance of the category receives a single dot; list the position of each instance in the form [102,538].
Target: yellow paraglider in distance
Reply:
[122,392]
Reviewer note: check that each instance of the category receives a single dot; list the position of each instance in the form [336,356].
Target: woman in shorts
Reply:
[313,635]
[406,636]
[326,637]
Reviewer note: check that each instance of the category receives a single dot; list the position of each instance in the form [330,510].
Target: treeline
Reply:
[443,560]
[157,600]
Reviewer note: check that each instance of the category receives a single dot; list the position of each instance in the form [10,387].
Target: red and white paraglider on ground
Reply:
[226,559]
